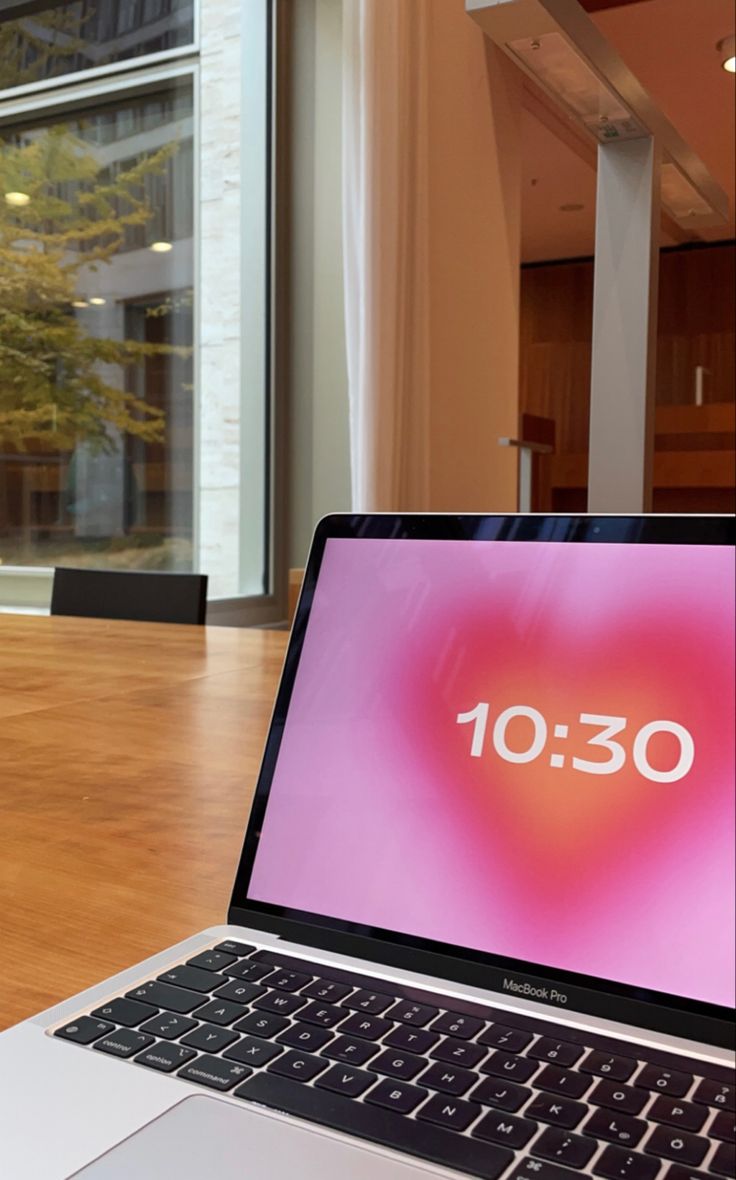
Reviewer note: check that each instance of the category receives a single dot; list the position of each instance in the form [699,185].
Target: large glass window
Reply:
[136,295]
[96,336]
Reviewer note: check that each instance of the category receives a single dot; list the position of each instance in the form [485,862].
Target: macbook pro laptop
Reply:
[483,922]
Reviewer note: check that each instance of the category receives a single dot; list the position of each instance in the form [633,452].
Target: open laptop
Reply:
[483,922]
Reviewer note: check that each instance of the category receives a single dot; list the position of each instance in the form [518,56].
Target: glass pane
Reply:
[96,315]
[83,35]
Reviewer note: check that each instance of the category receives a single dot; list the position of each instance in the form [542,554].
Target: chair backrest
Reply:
[123,594]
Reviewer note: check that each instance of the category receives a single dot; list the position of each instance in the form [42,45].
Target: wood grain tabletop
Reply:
[128,758]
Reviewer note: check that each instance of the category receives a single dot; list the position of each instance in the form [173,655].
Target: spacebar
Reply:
[379,1126]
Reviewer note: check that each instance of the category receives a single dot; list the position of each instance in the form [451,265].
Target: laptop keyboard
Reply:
[470,1087]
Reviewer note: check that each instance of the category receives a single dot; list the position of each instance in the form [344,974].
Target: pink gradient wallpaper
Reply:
[582,818]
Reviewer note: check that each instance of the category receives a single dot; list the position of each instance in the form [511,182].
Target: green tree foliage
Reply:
[56,385]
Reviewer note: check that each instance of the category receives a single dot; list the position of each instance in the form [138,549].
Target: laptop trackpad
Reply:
[202,1136]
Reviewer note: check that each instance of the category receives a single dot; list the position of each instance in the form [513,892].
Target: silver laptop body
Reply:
[483,920]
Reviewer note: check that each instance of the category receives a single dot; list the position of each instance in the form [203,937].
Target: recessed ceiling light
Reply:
[727,50]
[80,303]
[17,199]
[161,247]
[97,300]
[571,208]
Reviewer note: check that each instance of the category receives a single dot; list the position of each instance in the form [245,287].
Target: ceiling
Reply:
[670,46]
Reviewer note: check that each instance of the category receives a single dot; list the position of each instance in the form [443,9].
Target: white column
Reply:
[219,295]
[624,327]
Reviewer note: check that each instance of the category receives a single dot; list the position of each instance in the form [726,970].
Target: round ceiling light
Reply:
[161,247]
[80,303]
[97,300]
[17,199]
[727,50]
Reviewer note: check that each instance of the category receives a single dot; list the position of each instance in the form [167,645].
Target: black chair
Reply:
[123,594]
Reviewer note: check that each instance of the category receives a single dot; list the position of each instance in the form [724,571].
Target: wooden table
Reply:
[128,757]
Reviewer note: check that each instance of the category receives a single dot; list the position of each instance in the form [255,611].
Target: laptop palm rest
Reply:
[202,1136]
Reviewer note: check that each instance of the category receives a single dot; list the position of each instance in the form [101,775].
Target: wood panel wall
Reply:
[697,312]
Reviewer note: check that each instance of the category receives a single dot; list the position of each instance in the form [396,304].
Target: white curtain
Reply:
[385,231]
[431,196]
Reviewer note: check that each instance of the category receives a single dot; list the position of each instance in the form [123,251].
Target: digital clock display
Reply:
[523,748]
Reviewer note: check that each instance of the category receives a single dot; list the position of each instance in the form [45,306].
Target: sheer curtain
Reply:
[431,176]
[385,221]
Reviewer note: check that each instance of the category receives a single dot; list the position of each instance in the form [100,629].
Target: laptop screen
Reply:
[523,748]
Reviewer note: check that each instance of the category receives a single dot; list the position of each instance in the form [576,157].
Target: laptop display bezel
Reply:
[656,1011]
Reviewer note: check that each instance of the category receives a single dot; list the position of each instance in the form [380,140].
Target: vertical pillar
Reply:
[624,328]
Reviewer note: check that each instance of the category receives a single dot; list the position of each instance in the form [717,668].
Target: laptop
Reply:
[483,921]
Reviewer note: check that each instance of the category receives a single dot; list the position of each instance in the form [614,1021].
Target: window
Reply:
[135,296]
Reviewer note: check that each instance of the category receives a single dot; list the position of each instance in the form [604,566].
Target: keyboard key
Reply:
[722,1127]
[165,1056]
[398,1065]
[452,1024]
[215,960]
[459,1053]
[448,1079]
[411,1040]
[281,1003]
[398,1096]
[220,1011]
[505,1065]
[560,1052]
[250,970]
[498,1127]
[615,1127]
[304,1036]
[664,1081]
[214,1073]
[724,1161]
[531,1169]
[677,1145]
[127,1012]
[379,1125]
[715,1094]
[124,1042]
[562,1081]
[289,981]
[502,1095]
[616,1163]
[605,1065]
[410,1013]
[164,995]
[625,1098]
[678,1113]
[340,1079]
[262,1024]
[253,1051]
[562,1112]
[325,989]
[350,1050]
[449,1112]
[300,1067]
[84,1030]
[323,1015]
[370,1027]
[240,990]
[512,1040]
[210,1038]
[230,947]
[678,1172]
[168,1025]
[194,978]
[371,1002]
[564,1147]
